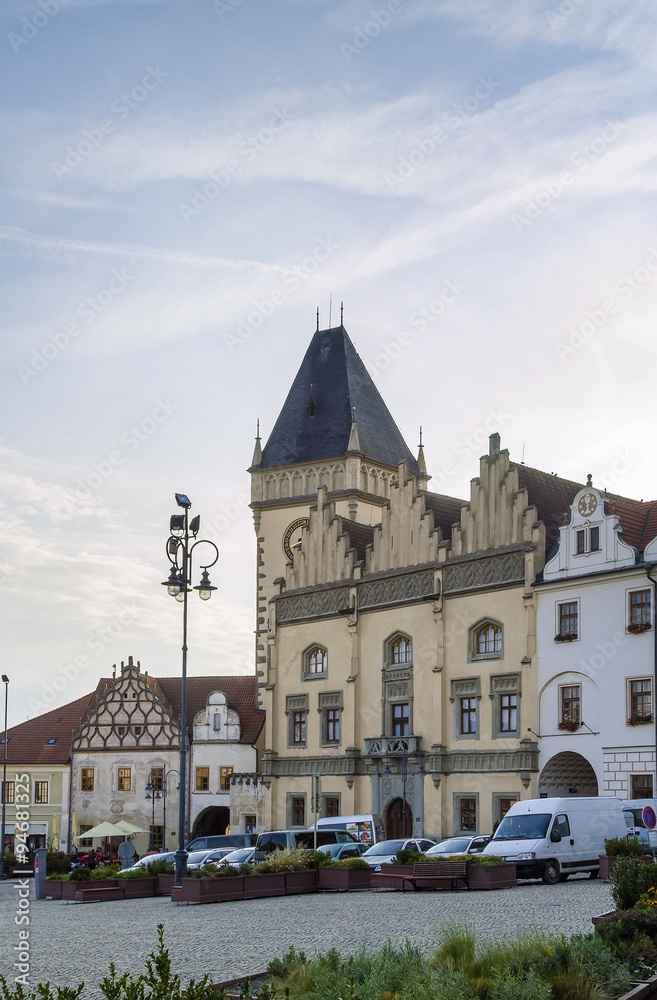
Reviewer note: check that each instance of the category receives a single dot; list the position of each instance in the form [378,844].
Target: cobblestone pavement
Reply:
[71,942]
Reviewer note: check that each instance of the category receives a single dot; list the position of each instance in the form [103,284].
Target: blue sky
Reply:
[182,183]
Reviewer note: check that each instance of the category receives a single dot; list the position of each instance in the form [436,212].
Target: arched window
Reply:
[486,640]
[315,662]
[401,650]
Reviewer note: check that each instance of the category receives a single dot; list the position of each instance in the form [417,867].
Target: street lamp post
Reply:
[179,553]
[150,794]
[3,874]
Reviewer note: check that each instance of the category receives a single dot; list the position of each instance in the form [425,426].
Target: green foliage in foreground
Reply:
[534,967]
[621,847]
[629,879]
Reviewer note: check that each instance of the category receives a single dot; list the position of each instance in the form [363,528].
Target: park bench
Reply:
[438,875]
[93,895]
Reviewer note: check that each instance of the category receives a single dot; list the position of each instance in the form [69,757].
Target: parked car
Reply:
[383,852]
[199,858]
[242,856]
[146,860]
[233,840]
[339,851]
[299,840]
[468,844]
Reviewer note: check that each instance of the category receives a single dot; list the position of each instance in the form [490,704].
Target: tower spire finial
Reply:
[422,465]
[257,451]
[342,314]
[317,319]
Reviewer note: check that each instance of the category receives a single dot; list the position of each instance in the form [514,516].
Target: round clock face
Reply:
[587,505]
[293,535]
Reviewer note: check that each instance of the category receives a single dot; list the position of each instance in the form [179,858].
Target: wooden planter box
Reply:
[344,879]
[601,916]
[642,990]
[297,882]
[208,890]
[500,877]
[608,862]
[270,884]
[389,877]
[53,888]
[135,888]
[164,884]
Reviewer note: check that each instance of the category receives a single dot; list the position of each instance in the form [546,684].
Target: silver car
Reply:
[383,852]
[242,856]
[199,858]
[459,845]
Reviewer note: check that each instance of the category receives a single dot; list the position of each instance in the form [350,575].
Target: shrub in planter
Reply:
[286,861]
[56,877]
[406,857]
[104,872]
[620,847]
[627,931]
[629,879]
[57,861]
[132,873]
[159,868]
[80,875]
[205,871]
[353,864]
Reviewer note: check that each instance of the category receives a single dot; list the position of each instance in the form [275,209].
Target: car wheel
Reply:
[551,873]
[595,873]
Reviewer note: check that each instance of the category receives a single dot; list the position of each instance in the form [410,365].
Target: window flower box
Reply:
[636,628]
[569,727]
[640,720]
[565,637]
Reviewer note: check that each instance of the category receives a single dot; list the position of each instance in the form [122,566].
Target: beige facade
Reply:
[409,621]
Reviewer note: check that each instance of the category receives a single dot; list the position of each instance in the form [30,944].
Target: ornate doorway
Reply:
[394,820]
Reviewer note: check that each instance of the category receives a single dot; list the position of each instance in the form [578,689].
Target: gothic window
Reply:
[398,686]
[315,663]
[486,641]
[400,650]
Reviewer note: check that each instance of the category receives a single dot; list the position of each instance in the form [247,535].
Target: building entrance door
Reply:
[398,820]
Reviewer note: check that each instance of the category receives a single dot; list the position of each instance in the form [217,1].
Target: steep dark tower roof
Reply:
[316,419]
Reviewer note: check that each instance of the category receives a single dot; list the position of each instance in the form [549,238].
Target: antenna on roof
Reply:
[341,313]
[330,308]
[420,435]
[522,461]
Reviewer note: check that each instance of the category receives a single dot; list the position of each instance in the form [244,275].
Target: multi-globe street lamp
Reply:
[3,874]
[179,553]
[165,792]
[152,793]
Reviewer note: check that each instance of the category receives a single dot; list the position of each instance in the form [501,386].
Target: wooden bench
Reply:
[438,875]
[89,895]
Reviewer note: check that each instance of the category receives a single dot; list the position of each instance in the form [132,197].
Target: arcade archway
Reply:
[567,774]
[211,821]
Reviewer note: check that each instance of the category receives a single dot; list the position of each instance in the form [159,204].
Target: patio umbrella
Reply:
[54,832]
[99,831]
[125,827]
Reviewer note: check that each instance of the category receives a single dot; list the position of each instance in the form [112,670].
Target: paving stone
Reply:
[71,942]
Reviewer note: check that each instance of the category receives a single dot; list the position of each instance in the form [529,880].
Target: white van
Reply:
[554,838]
[367,828]
[633,812]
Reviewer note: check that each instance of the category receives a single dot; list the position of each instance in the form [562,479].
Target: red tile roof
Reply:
[638,522]
[28,742]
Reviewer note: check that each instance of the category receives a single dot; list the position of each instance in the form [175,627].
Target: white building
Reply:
[596,650]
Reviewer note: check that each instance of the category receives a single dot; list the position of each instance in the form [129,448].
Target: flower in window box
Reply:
[565,636]
[569,727]
[639,720]
[636,628]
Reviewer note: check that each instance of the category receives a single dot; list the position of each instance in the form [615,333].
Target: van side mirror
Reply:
[555,836]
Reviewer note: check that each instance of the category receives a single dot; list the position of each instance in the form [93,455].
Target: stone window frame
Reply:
[156,777]
[290,809]
[296,703]
[465,687]
[497,800]
[225,772]
[501,684]
[309,651]
[628,694]
[397,683]
[457,799]
[473,632]
[329,701]
[564,701]
[323,800]
[122,776]
[41,784]
[204,777]
[90,778]
[558,605]
[645,776]
[628,614]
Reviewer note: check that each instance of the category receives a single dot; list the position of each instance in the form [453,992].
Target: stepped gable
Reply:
[551,495]
[240,696]
[28,742]
[638,522]
[315,422]
[446,511]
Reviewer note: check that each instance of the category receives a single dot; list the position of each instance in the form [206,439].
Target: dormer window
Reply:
[587,540]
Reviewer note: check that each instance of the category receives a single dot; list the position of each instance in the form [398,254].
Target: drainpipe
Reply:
[654,683]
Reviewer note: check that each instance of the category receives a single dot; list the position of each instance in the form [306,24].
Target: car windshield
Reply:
[196,856]
[530,826]
[385,847]
[239,856]
[451,846]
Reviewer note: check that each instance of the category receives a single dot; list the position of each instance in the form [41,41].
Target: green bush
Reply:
[406,857]
[205,871]
[353,864]
[629,879]
[225,871]
[57,861]
[80,875]
[57,877]
[621,847]
[104,872]
[159,868]
[130,873]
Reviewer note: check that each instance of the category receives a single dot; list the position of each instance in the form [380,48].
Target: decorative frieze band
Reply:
[476,573]
[315,605]
[395,589]
[458,761]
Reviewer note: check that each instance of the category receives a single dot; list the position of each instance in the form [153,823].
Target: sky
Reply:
[184,182]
